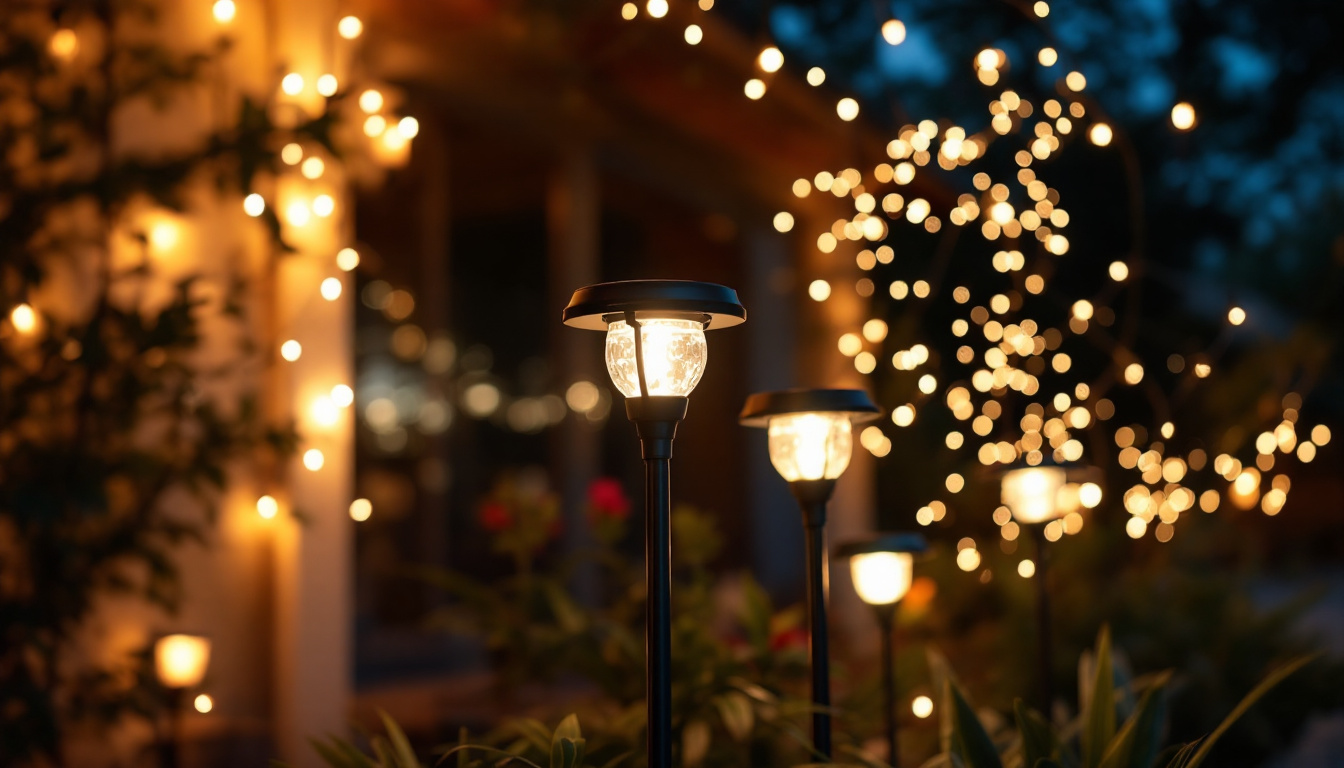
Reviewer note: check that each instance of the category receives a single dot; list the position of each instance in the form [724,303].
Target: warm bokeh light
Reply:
[361,510]
[180,661]
[224,11]
[292,84]
[1047,57]
[347,259]
[350,27]
[291,350]
[694,34]
[582,396]
[815,76]
[770,59]
[1183,116]
[656,8]
[754,89]
[1100,134]
[1236,315]
[203,703]
[847,109]
[254,205]
[893,31]
[313,459]
[819,290]
[1031,493]
[783,221]
[64,44]
[327,85]
[267,506]
[23,318]
[922,707]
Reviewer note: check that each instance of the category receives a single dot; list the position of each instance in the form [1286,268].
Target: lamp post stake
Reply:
[1043,643]
[886,621]
[812,496]
[656,420]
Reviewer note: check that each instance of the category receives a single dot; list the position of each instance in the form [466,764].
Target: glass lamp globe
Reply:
[1032,494]
[882,578]
[674,350]
[810,446]
[180,661]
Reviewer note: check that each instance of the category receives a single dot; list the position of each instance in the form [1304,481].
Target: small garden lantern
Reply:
[883,570]
[656,354]
[180,662]
[1038,495]
[811,436]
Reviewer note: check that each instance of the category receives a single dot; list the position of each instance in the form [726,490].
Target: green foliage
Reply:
[116,422]
[739,692]
[1135,744]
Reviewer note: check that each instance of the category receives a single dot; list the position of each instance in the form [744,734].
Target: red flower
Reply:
[495,517]
[793,637]
[606,498]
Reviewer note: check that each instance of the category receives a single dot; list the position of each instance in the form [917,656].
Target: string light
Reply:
[819,290]
[292,84]
[783,221]
[224,11]
[203,703]
[331,288]
[1183,116]
[64,44]
[847,109]
[327,85]
[267,507]
[371,101]
[312,168]
[313,460]
[816,76]
[893,31]
[770,59]
[1100,134]
[656,8]
[350,27]
[754,89]
[342,395]
[347,259]
[291,350]
[408,127]
[1236,316]
[23,318]
[254,205]
[360,510]
[694,34]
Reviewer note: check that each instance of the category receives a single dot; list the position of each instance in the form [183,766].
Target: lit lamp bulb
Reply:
[882,578]
[1032,493]
[180,661]
[810,446]
[674,356]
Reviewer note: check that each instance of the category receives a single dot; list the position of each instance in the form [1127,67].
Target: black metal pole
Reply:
[812,496]
[1045,656]
[886,620]
[656,420]
[170,741]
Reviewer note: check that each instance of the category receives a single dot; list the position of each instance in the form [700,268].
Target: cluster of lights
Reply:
[1020,351]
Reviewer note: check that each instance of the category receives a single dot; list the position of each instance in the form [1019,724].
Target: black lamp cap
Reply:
[596,306]
[898,541]
[761,406]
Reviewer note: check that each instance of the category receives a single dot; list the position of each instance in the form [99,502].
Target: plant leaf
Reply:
[737,715]
[1182,757]
[567,744]
[1038,739]
[403,754]
[1265,686]
[1099,726]
[694,742]
[1136,745]
[969,741]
